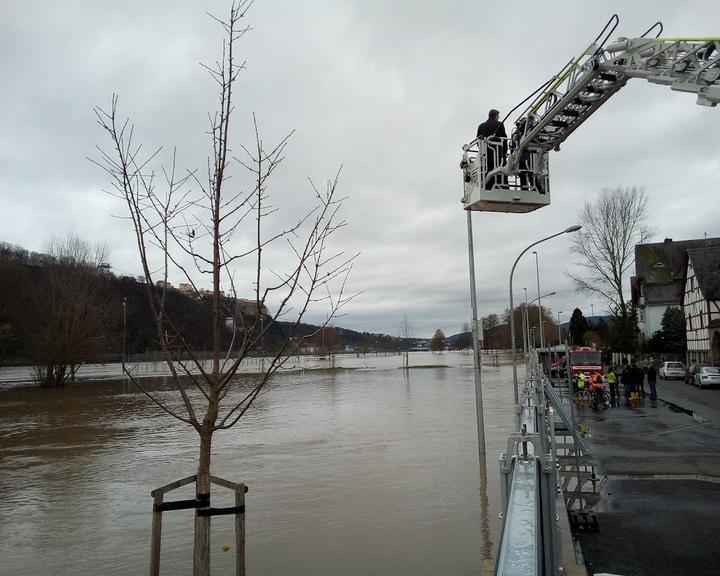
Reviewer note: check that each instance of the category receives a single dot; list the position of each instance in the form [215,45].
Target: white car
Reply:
[706,376]
[672,370]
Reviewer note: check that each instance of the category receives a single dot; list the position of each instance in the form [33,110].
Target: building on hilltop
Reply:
[659,279]
[701,305]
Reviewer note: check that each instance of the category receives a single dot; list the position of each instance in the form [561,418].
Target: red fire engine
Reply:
[585,359]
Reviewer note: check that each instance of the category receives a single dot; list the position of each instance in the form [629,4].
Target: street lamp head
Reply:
[574,228]
[551,294]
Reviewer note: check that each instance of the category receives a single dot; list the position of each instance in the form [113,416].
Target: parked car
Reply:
[706,376]
[672,370]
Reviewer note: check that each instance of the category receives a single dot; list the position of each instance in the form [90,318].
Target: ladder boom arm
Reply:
[592,78]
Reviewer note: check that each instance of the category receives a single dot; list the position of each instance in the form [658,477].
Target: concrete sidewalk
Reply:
[660,511]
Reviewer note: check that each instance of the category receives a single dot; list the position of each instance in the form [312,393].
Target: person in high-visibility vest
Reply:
[581,381]
[612,381]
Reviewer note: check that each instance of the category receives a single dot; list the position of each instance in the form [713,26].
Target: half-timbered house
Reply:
[701,305]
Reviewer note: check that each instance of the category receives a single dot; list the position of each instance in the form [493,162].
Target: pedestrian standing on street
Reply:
[636,380]
[626,380]
[581,381]
[612,380]
[652,378]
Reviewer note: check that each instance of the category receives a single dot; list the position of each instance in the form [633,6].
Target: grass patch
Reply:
[336,369]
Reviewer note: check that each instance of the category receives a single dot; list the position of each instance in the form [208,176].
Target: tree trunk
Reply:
[201,551]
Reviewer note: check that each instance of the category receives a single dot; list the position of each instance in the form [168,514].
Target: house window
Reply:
[690,321]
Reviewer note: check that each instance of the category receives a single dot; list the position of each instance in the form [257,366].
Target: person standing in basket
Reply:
[494,132]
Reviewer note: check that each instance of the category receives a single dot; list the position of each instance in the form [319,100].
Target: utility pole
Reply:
[539,300]
[524,328]
[476,350]
[559,329]
[124,304]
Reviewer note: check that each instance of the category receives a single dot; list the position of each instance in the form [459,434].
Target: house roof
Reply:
[664,262]
[706,264]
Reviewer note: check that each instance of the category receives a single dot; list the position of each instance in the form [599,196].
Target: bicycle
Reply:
[600,398]
[583,398]
[595,396]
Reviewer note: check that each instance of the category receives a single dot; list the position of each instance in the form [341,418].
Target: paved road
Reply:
[660,512]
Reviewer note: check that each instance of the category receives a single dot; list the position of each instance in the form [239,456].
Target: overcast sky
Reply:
[388,89]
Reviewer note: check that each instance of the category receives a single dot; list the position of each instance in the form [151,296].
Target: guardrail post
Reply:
[504,480]
[156,534]
[240,530]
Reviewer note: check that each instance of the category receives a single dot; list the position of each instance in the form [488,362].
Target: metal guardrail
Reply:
[566,418]
[530,543]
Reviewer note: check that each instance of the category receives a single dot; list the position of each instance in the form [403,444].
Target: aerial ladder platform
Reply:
[512,175]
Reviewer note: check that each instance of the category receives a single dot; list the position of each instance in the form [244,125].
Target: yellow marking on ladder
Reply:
[564,73]
[710,39]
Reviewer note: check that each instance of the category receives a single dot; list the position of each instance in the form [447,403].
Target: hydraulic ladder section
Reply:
[515,178]
[684,64]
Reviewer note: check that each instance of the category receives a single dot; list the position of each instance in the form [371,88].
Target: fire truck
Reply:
[585,359]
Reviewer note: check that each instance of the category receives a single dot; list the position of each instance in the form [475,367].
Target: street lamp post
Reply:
[476,349]
[512,308]
[559,330]
[124,330]
[525,327]
[540,322]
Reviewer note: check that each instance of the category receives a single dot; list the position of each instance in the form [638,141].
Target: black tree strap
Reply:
[221,511]
[201,501]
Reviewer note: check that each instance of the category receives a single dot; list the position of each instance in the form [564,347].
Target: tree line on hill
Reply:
[607,332]
[64,307]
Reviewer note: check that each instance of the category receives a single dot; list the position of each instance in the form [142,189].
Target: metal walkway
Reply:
[548,483]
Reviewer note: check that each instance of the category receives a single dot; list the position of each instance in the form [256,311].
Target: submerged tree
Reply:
[610,229]
[63,314]
[437,344]
[406,332]
[216,230]
[464,339]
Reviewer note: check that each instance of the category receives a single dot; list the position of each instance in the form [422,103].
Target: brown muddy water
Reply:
[369,471]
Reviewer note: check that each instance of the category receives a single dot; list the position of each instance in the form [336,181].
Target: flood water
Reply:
[369,471]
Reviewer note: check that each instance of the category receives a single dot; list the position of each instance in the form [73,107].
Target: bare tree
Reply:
[406,332]
[465,339]
[64,313]
[606,245]
[214,229]
[491,339]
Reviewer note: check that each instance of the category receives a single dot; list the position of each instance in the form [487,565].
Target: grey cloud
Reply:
[390,90]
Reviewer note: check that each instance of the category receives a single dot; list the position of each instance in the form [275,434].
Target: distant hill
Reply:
[30,289]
